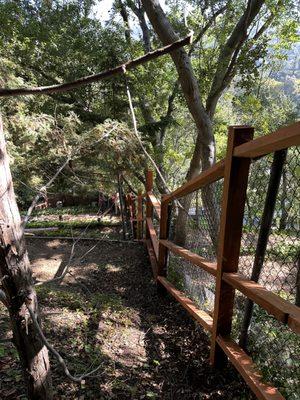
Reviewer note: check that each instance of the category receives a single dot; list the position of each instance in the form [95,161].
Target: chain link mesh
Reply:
[201,221]
[273,346]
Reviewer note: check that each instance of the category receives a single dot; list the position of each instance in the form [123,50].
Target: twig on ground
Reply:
[56,354]
[67,266]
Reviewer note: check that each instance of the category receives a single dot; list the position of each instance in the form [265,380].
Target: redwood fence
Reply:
[229,278]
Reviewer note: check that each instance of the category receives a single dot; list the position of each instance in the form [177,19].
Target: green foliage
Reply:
[50,42]
[280,366]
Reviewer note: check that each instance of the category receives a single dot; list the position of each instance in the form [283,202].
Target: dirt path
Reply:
[111,315]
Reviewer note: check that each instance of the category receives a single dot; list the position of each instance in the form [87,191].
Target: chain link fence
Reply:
[200,229]
[276,266]
[273,346]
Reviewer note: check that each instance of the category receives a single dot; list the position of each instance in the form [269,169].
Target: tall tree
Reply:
[202,100]
[18,288]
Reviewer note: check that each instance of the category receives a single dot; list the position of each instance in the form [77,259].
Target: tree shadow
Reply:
[146,344]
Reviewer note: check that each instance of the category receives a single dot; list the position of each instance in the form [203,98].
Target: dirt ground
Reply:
[109,314]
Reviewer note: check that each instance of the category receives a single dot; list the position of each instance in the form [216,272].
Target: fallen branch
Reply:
[56,354]
[41,191]
[65,270]
[64,87]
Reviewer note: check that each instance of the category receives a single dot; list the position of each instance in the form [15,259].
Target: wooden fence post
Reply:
[139,216]
[163,234]
[231,224]
[149,207]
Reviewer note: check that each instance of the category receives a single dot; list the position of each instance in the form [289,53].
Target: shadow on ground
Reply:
[110,314]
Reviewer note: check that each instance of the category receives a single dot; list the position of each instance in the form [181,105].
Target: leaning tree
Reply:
[231,43]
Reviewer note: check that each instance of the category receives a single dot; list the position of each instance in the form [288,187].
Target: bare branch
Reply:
[5,92]
[42,190]
[205,29]
[56,354]
[140,13]
[135,130]
[263,28]
[231,48]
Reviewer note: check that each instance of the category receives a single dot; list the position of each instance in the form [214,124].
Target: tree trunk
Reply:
[204,152]
[18,286]
[122,8]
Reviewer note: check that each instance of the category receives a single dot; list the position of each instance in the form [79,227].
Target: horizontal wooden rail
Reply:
[200,316]
[244,364]
[153,236]
[155,203]
[188,255]
[208,176]
[281,139]
[272,303]
[152,258]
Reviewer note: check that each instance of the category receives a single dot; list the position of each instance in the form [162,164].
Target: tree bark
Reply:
[204,152]
[18,286]
[122,9]
[205,145]
[140,13]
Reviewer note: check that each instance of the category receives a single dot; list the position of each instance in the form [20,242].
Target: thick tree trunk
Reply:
[203,157]
[17,283]
[205,146]
[204,152]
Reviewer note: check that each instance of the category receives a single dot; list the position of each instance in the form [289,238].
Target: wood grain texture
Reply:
[283,138]
[155,203]
[152,258]
[139,216]
[200,316]
[273,304]
[149,207]
[233,203]
[153,236]
[244,364]
[188,255]
[163,235]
